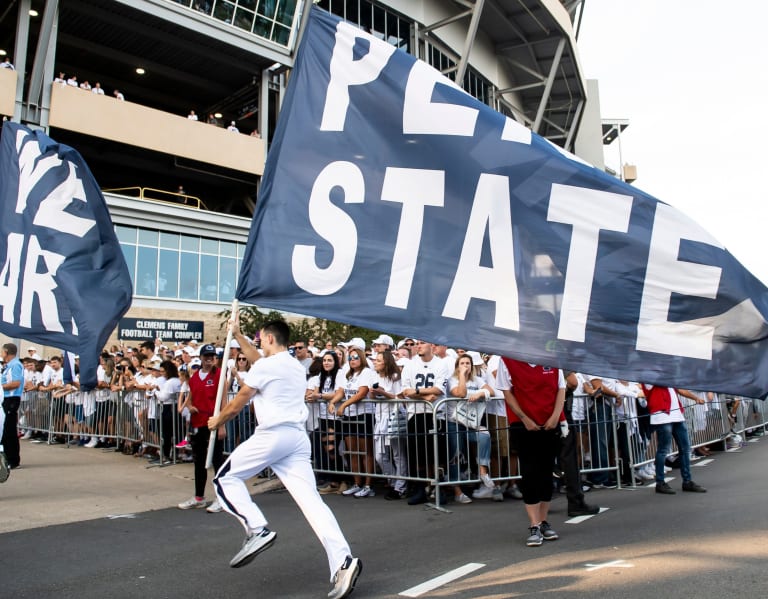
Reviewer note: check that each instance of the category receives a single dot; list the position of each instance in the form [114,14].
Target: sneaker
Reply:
[325,488]
[345,578]
[664,489]
[343,486]
[192,502]
[5,468]
[419,496]
[535,537]
[498,495]
[486,480]
[27,435]
[393,495]
[582,509]
[215,507]
[606,485]
[93,442]
[482,493]
[547,531]
[182,444]
[366,491]
[462,498]
[514,492]
[645,474]
[254,543]
[351,490]
[692,487]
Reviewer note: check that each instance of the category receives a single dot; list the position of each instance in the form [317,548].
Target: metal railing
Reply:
[398,440]
[160,195]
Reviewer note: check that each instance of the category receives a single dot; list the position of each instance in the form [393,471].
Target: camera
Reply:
[119,368]
[375,386]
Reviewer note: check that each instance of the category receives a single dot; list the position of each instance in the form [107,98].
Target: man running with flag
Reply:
[276,383]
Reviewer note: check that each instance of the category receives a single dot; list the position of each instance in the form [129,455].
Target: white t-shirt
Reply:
[473,386]
[329,387]
[419,374]
[279,381]
[168,392]
[364,378]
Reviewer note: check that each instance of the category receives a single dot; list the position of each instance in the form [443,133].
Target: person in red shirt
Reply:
[201,400]
[535,396]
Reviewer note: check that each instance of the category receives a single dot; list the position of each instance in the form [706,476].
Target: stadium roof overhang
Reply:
[535,41]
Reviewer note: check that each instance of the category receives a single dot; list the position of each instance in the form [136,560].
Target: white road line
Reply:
[431,585]
[704,462]
[619,563]
[580,519]
[753,440]
[118,516]
[652,485]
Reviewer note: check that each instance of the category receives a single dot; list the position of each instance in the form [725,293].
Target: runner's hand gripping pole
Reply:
[222,382]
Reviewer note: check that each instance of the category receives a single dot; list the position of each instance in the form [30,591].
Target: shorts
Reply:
[360,425]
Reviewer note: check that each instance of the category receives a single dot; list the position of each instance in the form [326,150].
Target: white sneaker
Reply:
[487,481]
[483,493]
[462,498]
[192,502]
[92,443]
[254,544]
[345,578]
[27,435]
[214,508]
[352,490]
[366,491]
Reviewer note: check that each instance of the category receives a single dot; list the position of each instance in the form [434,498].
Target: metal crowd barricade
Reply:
[597,441]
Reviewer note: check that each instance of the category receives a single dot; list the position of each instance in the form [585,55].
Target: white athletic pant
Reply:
[286,450]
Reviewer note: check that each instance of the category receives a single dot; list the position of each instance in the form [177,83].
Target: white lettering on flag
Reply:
[346,72]
[415,189]
[667,275]
[589,211]
[497,283]
[335,226]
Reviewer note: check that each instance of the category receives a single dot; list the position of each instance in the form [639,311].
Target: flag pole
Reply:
[222,382]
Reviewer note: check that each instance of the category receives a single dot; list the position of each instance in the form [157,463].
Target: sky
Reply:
[692,78]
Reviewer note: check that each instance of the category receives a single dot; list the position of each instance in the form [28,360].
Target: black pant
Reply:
[10,432]
[569,463]
[167,428]
[536,451]
[200,454]
[421,449]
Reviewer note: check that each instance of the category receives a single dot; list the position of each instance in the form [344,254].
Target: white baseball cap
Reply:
[234,344]
[385,339]
[354,342]
[477,359]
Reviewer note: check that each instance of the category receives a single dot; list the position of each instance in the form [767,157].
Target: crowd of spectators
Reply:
[370,416]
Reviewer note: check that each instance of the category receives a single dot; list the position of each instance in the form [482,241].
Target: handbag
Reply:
[470,413]
[398,423]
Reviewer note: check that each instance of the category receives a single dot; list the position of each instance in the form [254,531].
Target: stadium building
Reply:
[181,191]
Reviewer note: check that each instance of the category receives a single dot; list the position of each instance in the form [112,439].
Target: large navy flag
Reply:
[394,200]
[63,277]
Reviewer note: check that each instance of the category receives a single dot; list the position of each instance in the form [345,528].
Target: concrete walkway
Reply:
[57,485]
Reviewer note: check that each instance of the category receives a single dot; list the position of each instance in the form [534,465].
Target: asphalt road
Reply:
[645,545]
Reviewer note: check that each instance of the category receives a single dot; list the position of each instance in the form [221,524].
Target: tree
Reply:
[253,318]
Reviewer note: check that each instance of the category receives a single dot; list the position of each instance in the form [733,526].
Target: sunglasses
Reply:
[298,347]
[242,359]
[354,358]
[409,344]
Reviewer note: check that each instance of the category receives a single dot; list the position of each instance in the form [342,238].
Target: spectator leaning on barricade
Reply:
[357,423]
[391,423]
[326,387]
[13,387]
[423,380]
[668,421]
[571,447]
[475,391]
[601,432]
[535,396]
[166,395]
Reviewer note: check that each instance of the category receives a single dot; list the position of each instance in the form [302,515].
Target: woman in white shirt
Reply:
[322,389]
[391,423]
[466,384]
[167,395]
[357,421]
